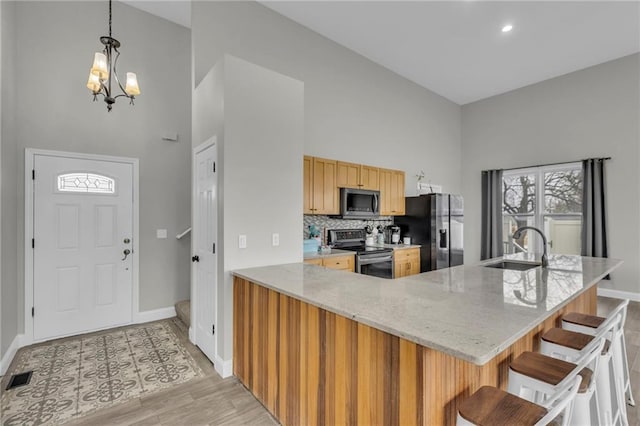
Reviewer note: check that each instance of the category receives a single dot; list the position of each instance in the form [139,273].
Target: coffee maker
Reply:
[392,234]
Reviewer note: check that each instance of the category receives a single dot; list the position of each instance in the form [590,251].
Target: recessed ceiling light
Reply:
[507,28]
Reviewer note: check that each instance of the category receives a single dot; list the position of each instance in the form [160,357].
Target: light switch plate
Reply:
[242,241]
[275,240]
[161,233]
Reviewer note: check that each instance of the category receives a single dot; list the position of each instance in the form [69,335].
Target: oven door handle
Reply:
[372,260]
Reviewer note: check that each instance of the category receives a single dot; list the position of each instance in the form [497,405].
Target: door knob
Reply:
[195,258]
[126,252]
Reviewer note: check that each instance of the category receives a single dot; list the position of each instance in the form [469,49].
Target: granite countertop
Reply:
[334,253]
[471,312]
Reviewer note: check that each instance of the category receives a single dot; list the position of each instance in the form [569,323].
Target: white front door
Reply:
[205,235]
[82,226]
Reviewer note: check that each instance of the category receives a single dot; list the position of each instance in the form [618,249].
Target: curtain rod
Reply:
[553,164]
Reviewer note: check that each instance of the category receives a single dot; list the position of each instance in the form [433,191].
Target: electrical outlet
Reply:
[275,240]
[161,233]
[242,241]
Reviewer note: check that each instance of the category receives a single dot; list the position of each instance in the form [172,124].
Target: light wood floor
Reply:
[212,400]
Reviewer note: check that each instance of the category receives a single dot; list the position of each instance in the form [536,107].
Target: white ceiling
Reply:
[456,48]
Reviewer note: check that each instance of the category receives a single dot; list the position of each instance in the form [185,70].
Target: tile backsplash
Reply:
[327,222]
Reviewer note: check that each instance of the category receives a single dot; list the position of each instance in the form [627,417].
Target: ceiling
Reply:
[457,48]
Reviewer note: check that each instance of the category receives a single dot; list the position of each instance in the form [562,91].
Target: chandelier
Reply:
[103,72]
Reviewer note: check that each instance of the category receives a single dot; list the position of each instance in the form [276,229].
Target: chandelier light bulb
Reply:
[99,67]
[94,82]
[131,86]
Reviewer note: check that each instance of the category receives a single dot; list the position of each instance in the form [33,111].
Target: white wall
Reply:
[355,110]
[260,181]
[589,113]
[8,270]
[54,44]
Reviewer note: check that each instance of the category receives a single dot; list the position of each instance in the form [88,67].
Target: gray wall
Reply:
[8,278]
[257,116]
[355,110]
[589,113]
[55,42]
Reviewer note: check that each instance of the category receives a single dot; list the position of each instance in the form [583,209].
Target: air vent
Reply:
[18,380]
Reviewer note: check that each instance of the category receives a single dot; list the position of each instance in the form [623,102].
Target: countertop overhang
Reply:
[471,312]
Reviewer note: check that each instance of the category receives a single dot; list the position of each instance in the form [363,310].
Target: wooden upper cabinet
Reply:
[307,193]
[357,176]
[348,175]
[325,191]
[391,192]
[370,177]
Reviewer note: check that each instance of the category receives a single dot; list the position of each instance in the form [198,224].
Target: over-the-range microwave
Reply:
[359,203]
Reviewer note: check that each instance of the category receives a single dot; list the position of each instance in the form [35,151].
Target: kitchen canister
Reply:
[406,240]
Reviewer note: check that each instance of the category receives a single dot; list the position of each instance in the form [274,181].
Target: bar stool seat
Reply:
[495,407]
[490,406]
[572,339]
[586,320]
[549,370]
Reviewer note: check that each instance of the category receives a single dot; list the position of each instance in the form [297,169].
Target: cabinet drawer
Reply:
[341,262]
[314,262]
[406,253]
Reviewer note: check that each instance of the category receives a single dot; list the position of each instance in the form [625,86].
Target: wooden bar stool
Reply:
[591,324]
[490,406]
[567,345]
[535,376]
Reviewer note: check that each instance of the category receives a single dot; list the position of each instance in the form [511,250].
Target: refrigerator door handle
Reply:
[443,238]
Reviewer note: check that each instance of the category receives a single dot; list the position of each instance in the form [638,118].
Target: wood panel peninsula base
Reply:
[310,366]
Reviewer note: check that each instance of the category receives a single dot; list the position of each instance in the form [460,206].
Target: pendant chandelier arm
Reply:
[115,75]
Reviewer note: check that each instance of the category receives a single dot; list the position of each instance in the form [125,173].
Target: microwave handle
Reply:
[375,203]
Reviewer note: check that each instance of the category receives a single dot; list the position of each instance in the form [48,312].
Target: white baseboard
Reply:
[156,314]
[192,335]
[224,368]
[618,294]
[5,362]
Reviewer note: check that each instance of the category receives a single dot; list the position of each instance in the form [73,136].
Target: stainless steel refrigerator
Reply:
[436,222]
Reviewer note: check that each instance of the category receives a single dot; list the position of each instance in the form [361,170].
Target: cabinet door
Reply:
[406,262]
[347,175]
[325,191]
[369,178]
[307,191]
[386,189]
[397,201]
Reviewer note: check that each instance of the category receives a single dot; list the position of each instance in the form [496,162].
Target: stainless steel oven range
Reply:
[370,260]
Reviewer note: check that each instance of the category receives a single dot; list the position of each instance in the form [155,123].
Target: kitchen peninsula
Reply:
[319,346]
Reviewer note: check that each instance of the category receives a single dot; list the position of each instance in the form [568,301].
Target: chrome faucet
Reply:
[516,235]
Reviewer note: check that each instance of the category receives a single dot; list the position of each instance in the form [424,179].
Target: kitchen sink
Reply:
[515,266]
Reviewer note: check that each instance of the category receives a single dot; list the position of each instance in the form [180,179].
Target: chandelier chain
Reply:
[109,18]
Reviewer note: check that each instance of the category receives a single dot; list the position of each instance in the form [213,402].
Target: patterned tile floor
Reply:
[76,376]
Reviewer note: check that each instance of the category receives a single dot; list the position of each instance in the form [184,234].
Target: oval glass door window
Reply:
[87,183]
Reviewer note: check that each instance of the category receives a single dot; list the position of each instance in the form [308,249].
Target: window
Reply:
[87,183]
[549,198]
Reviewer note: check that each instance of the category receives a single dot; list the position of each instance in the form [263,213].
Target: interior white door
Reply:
[83,225]
[204,234]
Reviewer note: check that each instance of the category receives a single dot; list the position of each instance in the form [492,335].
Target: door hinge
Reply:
[33,311]
[213,329]
[33,243]
[214,167]
[213,250]
[33,174]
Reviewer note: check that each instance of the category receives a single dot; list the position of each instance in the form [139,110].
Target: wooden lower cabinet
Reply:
[406,262]
[343,263]
[309,366]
